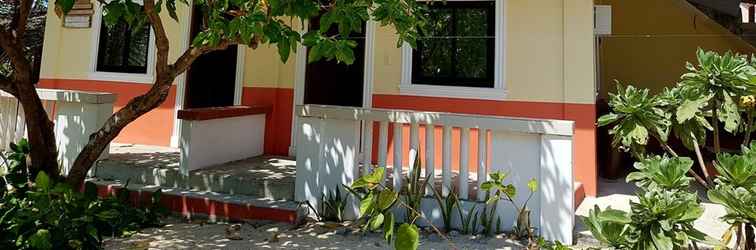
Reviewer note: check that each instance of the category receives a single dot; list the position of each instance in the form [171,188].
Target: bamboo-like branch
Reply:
[700,159]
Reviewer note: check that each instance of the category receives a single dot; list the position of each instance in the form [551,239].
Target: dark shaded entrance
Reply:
[211,80]
[332,83]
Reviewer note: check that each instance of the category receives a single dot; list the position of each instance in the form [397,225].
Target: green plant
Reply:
[636,115]
[332,206]
[470,220]
[736,191]
[498,190]
[414,191]
[663,216]
[720,78]
[447,206]
[45,214]
[662,172]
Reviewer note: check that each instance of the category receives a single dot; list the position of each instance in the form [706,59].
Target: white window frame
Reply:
[94,74]
[498,92]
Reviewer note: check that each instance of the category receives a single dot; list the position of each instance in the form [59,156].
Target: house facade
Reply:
[515,58]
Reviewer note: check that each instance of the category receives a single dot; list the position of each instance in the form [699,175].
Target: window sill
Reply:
[496,94]
[122,77]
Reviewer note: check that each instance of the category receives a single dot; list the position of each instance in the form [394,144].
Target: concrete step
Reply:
[259,177]
[209,205]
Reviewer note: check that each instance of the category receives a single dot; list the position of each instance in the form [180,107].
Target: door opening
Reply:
[211,80]
[332,83]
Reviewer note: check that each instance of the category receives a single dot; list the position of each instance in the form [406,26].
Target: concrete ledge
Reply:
[64,95]
[214,206]
[201,114]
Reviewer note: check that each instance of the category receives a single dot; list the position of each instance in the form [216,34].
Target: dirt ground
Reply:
[178,234]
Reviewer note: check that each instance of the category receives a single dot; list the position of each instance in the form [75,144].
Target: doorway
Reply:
[211,80]
[333,83]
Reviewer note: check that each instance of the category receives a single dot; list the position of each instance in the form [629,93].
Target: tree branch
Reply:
[23,17]
[13,47]
[161,39]
[186,59]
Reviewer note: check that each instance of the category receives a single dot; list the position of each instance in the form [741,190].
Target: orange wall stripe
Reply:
[154,128]
[278,123]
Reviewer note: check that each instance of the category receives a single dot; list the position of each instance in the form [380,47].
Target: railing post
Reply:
[446,187]
[398,134]
[367,146]
[464,157]
[430,157]
[482,160]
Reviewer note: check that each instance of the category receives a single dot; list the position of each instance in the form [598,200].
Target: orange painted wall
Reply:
[154,128]
[278,123]
[582,114]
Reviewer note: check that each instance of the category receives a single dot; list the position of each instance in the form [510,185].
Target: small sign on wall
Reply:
[80,17]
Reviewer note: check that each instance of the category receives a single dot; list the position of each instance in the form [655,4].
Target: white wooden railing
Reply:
[335,145]
[76,115]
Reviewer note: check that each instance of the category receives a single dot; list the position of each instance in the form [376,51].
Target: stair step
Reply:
[261,177]
[211,205]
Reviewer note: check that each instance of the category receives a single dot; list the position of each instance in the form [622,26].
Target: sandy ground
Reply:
[267,235]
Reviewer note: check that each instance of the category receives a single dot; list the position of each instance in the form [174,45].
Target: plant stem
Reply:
[715,124]
[699,156]
[749,127]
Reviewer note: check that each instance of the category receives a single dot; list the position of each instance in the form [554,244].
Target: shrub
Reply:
[45,214]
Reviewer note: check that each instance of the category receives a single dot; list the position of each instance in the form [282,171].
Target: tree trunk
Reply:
[41,136]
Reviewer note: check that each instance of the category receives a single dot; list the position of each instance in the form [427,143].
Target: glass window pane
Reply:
[472,57]
[113,44]
[472,22]
[139,48]
[439,21]
[436,58]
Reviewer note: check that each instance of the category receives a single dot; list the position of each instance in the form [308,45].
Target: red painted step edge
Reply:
[190,206]
[579,194]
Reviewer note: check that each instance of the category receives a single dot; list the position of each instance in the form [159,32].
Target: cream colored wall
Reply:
[538,68]
[263,66]
[651,41]
[67,53]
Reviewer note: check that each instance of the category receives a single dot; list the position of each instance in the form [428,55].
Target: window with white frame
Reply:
[460,53]
[123,49]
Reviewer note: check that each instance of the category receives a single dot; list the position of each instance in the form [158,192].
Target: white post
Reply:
[367,146]
[482,159]
[556,188]
[464,157]
[430,157]
[446,167]
[414,142]
[383,146]
[398,155]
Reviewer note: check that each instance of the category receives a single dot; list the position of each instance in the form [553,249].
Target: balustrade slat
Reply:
[414,142]
[482,160]
[398,134]
[367,146]
[382,143]
[464,157]
[446,156]
[430,157]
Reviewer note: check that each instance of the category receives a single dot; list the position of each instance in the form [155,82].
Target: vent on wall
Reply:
[602,20]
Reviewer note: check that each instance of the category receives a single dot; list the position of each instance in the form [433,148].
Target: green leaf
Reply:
[388,226]
[386,199]
[533,185]
[366,204]
[65,5]
[689,109]
[607,119]
[376,222]
[40,240]
[407,237]
[43,181]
